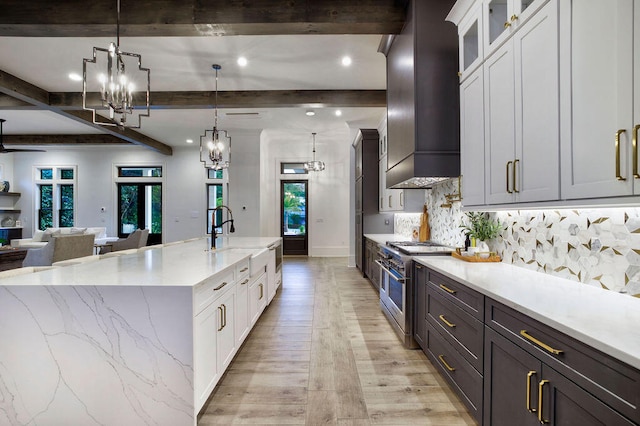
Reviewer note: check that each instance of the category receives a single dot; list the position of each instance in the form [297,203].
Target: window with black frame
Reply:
[56,196]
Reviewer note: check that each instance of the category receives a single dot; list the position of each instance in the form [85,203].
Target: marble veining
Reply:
[72,348]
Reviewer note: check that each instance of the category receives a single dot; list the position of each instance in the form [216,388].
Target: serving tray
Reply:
[476,258]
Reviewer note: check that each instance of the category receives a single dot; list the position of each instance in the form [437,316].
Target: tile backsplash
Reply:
[599,247]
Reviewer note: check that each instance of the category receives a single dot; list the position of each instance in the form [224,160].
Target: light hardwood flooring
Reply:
[324,354]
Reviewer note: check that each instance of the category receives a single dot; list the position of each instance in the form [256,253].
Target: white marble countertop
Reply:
[605,320]
[383,238]
[183,264]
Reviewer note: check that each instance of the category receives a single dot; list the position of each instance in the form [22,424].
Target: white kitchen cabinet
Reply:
[521,89]
[272,283]
[257,296]
[389,199]
[242,320]
[600,98]
[470,36]
[472,139]
[502,18]
[382,144]
[205,353]
[225,337]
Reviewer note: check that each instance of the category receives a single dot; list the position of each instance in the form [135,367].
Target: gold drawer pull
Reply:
[244,269]
[220,286]
[444,320]
[634,143]
[507,24]
[543,345]
[618,134]
[529,408]
[244,282]
[540,416]
[221,319]
[446,365]
[515,166]
[447,289]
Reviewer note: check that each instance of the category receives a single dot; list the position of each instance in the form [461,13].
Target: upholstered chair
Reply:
[61,247]
[135,240]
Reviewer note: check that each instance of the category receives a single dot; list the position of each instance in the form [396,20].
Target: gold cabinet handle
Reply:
[244,269]
[221,321]
[389,201]
[507,24]
[447,289]
[543,345]
[618,134]
[446,365]
[540,416]
[402,199]
[515,166]
[514,18]
[244,282]
[635,151]
[224,309]
[261,292]
[507,177]
[220,286]
[529,407]
[418,266]
[459,74]
[444,320]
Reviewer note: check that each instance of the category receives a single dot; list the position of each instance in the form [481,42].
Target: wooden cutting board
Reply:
[425,231]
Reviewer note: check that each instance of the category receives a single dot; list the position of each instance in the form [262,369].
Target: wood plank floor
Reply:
[324,354]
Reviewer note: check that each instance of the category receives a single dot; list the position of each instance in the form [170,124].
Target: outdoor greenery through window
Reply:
[216,194]
[56,196]
[130,171]
[293,169]
[294,208]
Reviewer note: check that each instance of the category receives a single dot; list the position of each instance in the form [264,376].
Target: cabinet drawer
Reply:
[469,300]
[209,290]
[460,329]
[613,382]
[465,380]
[242,270]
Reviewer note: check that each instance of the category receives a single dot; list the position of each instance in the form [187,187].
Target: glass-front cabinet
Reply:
[503,17]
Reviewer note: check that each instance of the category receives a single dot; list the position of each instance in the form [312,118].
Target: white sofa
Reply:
[41,238]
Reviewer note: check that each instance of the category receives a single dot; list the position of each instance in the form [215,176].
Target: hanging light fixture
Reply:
[115,85]
[212,146]
[315,165]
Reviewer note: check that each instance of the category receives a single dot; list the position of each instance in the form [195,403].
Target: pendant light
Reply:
[116,86]
[315,165]
[213,153]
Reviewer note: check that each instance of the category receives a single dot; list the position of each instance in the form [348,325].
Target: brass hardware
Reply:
[543,345]
[446,365]
[418,266]
[224,318]
[635,151]
[529,408]
[459,74]
[220,286]
[515,166]
[402,199]
[618,175]
[244,269]
[447,289]
[244,282]
[452,198]
[507,24]
[221,326]
[444,320]
[508,190]
[261,292]
[389,201]
[540,416]
[514,18]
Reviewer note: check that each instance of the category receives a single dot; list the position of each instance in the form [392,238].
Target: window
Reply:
[55,196]
[139,171]
[293,169]
[216,194]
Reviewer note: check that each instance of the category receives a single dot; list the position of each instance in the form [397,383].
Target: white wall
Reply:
[184,189]
[244,182]
[329,191]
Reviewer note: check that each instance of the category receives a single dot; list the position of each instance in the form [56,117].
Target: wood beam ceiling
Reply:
[74,18]
[27,92]
[90,139]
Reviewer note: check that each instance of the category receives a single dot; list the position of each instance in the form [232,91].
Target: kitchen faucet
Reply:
[213,224]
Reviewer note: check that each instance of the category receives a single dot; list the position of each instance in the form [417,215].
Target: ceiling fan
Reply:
[4,150]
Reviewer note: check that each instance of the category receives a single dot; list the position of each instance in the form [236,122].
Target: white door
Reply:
[499,125]
[537,112]
[596,97]
[472,139]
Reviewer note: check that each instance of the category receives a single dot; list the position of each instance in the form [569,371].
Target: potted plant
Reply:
[481,228]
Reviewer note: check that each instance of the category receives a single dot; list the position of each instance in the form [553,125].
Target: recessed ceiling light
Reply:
[346,61]
[189,140]
[310,113]
[75,77]
[242,61]
[338,113]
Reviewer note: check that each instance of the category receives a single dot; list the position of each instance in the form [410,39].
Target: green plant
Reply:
[481,227]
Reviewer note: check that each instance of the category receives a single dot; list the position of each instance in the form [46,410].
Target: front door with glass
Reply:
[293,197]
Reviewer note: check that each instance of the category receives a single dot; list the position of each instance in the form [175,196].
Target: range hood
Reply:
[423,98]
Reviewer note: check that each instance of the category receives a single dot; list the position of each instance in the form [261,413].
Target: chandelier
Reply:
[315,165]
[115,85]
[212,146]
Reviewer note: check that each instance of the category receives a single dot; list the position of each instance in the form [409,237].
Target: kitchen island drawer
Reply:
[612,381]
[459,328]
[462,376]
[209,290]
[467,299]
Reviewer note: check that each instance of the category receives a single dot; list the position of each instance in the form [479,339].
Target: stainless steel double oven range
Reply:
[396,283]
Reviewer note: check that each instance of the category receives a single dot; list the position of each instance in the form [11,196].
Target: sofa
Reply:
[41,238]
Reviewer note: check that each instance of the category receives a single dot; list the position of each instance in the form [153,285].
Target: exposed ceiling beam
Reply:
[243,99]
[76,18]
[27,92]
[62,140]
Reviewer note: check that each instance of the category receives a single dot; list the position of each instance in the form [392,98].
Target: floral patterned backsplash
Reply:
[599,247]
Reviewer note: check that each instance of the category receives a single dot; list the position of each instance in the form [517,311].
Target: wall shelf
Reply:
[10,194]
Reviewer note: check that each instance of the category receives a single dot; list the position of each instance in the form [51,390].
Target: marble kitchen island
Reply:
[127,340]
